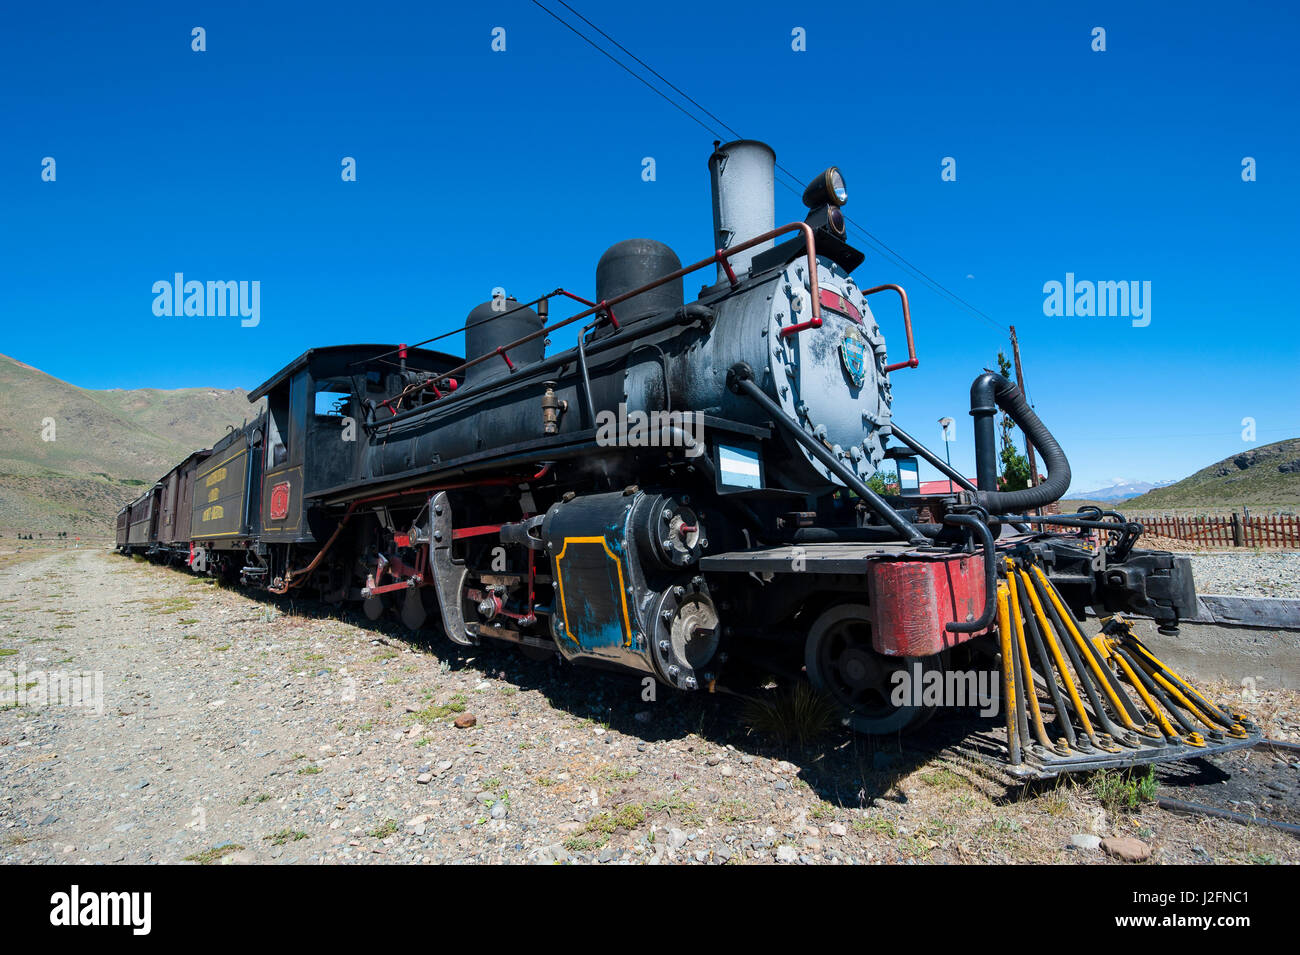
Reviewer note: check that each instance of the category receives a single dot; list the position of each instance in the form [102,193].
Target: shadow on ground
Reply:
[840,767]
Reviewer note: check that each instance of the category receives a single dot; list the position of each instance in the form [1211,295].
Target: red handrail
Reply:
[912,360]
[607,306]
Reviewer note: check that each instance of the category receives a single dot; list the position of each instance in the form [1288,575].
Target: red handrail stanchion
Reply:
[912,360]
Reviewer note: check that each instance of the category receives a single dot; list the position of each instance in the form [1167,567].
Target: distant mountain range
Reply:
[107,445]
[1121,490]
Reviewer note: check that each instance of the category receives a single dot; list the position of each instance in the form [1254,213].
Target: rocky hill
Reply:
[70,456]
[1267,476]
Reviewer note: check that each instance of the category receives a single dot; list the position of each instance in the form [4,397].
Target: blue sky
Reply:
[478,169]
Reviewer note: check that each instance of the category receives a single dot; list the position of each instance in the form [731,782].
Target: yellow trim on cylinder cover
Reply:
[622,589]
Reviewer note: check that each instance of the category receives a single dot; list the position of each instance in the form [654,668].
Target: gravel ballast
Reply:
[1251,574]
[241,729]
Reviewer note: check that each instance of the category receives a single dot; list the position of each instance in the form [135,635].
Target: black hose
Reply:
[989,392]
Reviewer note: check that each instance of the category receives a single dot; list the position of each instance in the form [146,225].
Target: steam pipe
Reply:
[989,392]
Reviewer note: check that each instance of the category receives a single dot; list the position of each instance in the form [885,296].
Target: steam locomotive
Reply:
[690,484]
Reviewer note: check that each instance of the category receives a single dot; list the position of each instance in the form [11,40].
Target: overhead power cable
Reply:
[794,184]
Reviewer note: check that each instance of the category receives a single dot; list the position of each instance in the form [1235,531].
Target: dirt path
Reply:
[241,729]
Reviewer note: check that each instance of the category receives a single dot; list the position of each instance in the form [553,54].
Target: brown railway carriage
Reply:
[123,525]
[142,525]
[177,503]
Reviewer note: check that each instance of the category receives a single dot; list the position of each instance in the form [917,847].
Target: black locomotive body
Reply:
[689,484]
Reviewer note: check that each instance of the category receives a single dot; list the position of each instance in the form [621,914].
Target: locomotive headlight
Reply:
[826,189]
[827,219]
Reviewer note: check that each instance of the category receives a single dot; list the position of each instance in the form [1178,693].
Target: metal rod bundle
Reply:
[1109,700]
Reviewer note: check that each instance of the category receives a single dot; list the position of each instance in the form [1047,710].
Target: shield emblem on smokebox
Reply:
[853,355]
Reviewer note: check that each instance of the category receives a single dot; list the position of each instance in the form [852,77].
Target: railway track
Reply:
[1258,786]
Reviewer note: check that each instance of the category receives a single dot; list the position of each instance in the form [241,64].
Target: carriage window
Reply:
[333,404]
[333,396]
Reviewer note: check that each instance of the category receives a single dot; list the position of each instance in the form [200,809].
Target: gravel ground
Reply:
[237,729]
[1254,574]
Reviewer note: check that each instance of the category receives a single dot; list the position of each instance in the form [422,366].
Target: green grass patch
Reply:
[612,774]
[440,711]
[384,830]
[165,605]
[944,779]
[875,826]
[1124,790]
[584,843]
[798,716]
[215,854]
[283,836]
[628,816]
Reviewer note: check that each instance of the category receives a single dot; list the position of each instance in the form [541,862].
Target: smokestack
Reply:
[743,176]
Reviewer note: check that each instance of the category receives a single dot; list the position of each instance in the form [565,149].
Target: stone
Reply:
[465,721]
[424,778]
[499,810]
[1126,849]
[676,838]
[786,854]
[1084,840]
[549,855]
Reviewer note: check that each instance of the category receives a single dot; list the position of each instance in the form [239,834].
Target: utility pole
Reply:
[1020,380]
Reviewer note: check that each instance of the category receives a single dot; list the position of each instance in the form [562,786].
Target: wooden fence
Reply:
[1277,530]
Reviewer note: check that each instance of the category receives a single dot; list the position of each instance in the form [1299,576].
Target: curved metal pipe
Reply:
[985,619]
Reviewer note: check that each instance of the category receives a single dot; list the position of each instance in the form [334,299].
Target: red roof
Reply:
[934,488]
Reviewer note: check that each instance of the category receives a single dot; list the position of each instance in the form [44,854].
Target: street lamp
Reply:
[948,436]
